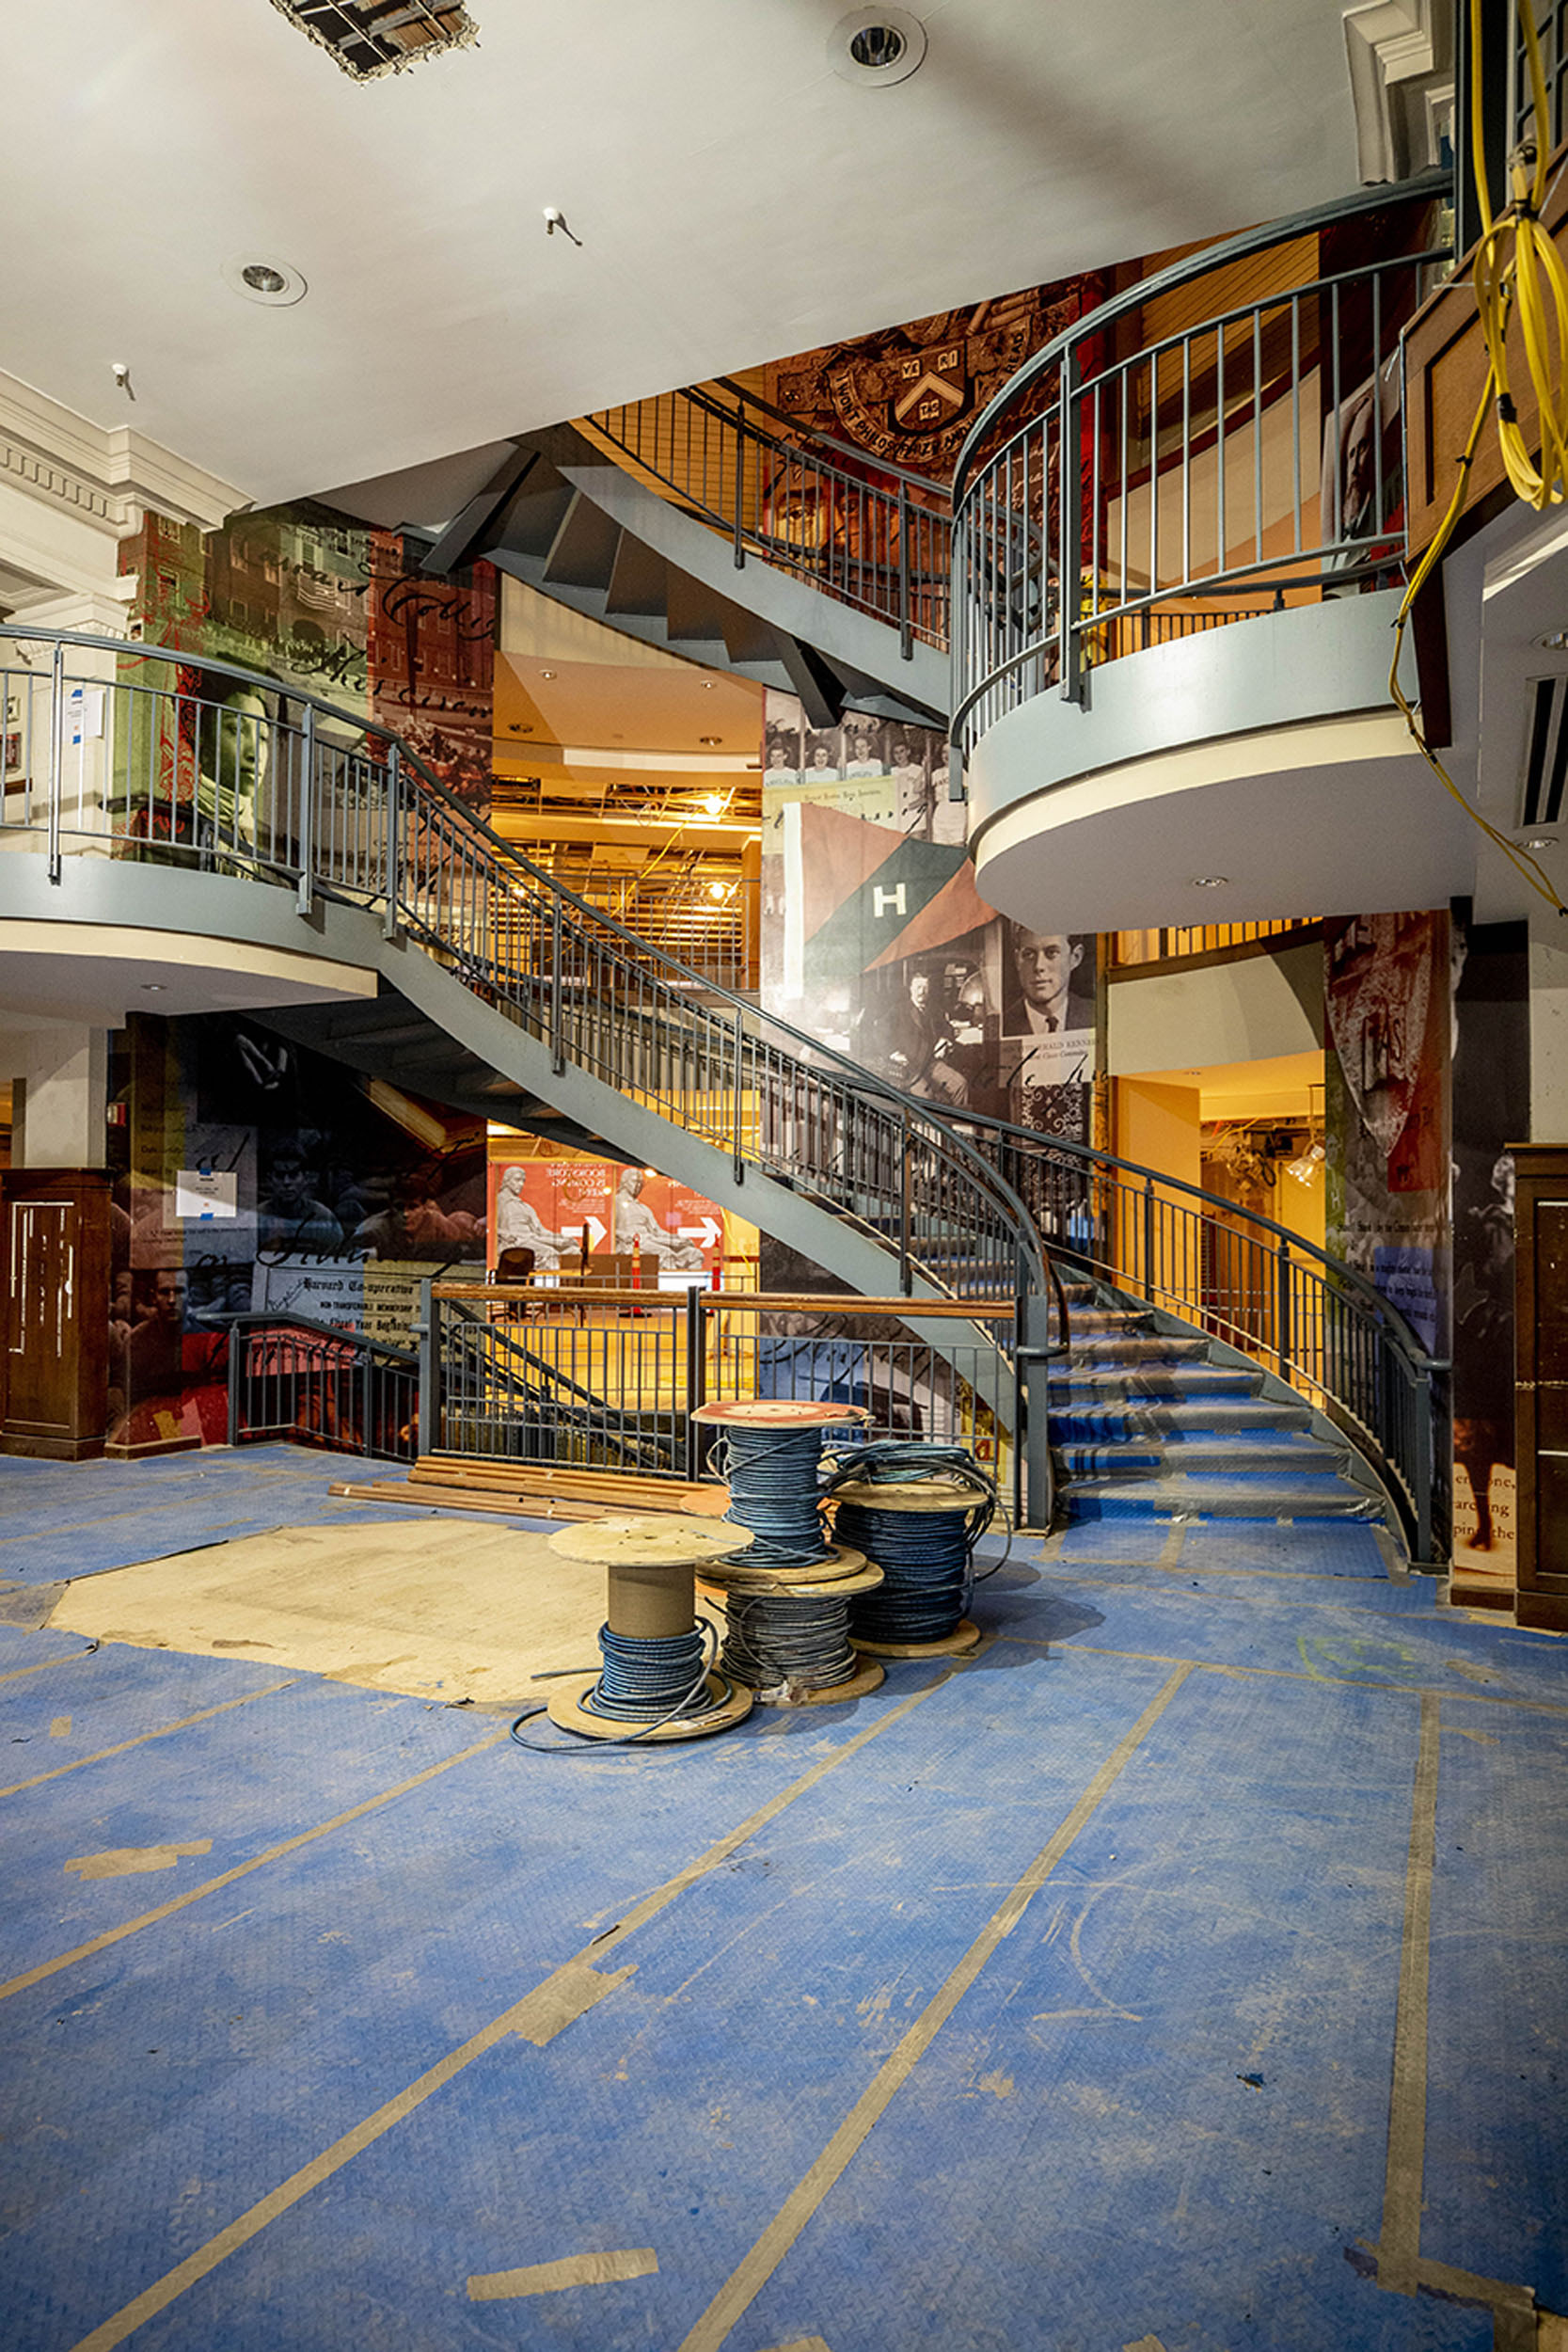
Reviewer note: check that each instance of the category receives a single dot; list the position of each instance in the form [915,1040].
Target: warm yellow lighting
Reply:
[714,803]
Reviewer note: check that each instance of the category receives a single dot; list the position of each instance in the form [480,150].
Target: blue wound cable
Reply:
[774,1490]
[925,1556]
[636,1683]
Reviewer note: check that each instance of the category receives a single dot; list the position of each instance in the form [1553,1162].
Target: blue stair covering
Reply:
[1145,1426]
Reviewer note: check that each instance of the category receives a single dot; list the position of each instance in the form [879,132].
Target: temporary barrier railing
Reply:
[1250,1282]
[1211,472]
[312,1384]
[866,533]
[591,1379]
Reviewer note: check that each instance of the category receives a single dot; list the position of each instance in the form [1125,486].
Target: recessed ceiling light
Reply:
[714,803]
[716,890]
[262,278]
[153,988]
[708,685]
[877,47]
[1210,881]
[547,674]
[710,739]
[1556,642]
[1541,841]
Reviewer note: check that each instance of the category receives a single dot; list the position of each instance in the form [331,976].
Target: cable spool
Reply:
[789,1642]
[657,1679]
[918,1512]
[771,1457]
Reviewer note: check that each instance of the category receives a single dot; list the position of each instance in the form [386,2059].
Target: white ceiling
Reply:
[737,200]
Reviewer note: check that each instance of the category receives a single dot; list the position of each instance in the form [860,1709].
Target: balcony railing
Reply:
[1194,453]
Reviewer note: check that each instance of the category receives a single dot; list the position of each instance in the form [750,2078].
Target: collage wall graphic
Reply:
[255,1175]
[875,939]
[910,393]
[330,607]
[1389,1002]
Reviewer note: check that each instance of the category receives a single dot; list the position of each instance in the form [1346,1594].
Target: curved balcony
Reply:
[1233,435]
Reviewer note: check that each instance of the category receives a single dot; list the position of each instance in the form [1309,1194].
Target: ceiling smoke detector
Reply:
[877,47]
[262,278]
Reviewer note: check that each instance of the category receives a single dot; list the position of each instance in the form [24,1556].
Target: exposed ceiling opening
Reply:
[369,38]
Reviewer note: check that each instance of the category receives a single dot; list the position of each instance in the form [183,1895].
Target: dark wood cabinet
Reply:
[1541,1371]
[53,1368]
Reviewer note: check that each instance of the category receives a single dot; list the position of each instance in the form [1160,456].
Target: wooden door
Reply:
[57,1311]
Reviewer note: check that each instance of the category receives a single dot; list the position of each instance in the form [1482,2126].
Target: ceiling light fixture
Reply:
[1541,841]
[555,219]
[547,674]
[877,47]
[714,803]
[260,277]
[1555,642]
[710,739]
[716,890]
[1210,881]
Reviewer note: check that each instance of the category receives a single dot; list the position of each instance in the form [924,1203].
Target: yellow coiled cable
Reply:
[1513,255]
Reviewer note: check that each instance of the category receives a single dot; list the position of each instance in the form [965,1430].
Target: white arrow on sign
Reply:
[708,1233]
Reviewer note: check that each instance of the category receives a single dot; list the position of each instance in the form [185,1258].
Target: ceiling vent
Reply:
[1547,758]
[373,37]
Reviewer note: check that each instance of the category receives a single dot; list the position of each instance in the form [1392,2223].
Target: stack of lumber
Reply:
[534,1490]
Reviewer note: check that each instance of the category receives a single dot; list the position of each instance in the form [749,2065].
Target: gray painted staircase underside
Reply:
[578,527]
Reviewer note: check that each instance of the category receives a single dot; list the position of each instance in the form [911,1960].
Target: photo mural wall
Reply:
[558,1206]
[252,1174]
[333,608]
[1389,1012]
[875,939]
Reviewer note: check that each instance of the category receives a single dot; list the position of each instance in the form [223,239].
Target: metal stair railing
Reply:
[226,772]
[1246,1281]
[1212,472]
[866,532]
[291,1376]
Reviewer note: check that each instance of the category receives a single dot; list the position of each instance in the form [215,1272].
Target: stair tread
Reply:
[1329,1497]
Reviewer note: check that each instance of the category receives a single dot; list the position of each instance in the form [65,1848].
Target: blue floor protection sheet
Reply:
[1046,2002]
[65,1519]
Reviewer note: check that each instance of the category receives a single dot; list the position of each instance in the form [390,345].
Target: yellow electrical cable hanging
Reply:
[1505,274]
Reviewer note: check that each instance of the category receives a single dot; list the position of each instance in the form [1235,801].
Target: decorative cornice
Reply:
[1394,46]
[106,477]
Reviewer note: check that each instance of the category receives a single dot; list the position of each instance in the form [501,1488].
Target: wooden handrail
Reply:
[760,1302]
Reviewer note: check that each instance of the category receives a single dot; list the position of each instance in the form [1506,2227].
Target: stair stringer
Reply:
[831,1240]
[122,894]
[1357,1464]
